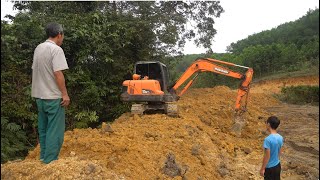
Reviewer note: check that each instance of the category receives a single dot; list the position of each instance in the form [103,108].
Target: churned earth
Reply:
[197,145]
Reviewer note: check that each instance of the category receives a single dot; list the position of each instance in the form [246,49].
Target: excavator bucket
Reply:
[239,123]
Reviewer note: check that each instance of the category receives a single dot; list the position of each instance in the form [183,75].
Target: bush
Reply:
[13,141]
[300,94]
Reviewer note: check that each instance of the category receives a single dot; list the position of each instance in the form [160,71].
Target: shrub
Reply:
[300,94]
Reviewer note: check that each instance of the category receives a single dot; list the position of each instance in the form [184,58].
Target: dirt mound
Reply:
[65,168]
[196,145]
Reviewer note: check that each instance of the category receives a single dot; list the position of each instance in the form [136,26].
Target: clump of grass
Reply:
[303,94]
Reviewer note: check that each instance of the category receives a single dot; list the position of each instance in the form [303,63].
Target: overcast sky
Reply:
[240,19]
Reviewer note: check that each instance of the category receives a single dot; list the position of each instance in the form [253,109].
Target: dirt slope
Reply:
[275,85]
[197,145]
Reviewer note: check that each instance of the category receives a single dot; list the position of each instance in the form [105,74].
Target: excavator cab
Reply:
[149,83]
[154,70]
[148,89]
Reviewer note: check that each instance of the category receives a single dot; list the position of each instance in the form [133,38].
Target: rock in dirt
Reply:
[72,153]
[223,171]
[90,168]
[247,150]
[106,128]
[195,150]
[171,168]
[292,165]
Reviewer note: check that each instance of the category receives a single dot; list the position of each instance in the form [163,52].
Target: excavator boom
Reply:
[211,65]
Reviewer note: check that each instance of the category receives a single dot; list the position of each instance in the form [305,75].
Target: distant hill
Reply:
[299,32]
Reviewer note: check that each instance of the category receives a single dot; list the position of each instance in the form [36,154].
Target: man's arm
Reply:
[62,87]
[281,151]
[265,161]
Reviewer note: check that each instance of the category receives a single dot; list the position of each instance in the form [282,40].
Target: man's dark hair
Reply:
[274,122]
[53,29]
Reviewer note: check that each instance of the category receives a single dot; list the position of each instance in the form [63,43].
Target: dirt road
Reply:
[300,128]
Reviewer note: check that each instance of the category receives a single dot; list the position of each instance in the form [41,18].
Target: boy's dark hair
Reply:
[274,122]
[53,29]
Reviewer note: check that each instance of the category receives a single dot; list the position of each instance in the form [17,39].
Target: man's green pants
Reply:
[51,127]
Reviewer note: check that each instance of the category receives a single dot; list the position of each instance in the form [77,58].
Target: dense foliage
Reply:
[300,94]
[102,42]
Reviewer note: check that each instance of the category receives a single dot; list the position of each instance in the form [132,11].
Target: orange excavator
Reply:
[149,89]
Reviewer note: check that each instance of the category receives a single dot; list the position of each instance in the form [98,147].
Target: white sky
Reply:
[243,18]
[240,19]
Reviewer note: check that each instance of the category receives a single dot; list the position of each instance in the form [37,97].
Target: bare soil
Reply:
[275,85]
[197,145]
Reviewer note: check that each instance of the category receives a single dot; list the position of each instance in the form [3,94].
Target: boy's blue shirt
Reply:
[274,143]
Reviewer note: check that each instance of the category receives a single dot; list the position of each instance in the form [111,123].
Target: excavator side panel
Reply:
[143,91]
[143,87]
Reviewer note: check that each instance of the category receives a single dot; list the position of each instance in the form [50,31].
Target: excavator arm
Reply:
[210,65]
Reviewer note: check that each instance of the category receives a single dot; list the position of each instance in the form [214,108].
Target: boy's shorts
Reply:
[273,173]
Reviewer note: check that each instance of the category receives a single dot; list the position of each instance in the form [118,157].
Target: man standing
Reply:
[272,145]
[49,89]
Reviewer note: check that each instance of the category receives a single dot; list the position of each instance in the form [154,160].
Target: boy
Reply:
[272,145]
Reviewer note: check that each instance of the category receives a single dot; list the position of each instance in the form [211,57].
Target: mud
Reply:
[200,144]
